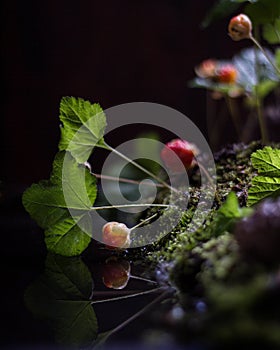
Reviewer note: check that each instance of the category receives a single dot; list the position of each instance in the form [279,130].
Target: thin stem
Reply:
[127,296]
[121,179]
[130,206]
[142,279]
[276,32]
[137,314]
[258,100]
[255,41]
[261,120]
[165,184]
[206,173]
[234,115]
[143,221]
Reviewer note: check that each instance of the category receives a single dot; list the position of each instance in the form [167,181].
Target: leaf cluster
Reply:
[62,204]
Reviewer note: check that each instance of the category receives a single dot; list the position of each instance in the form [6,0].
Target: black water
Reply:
[23,259]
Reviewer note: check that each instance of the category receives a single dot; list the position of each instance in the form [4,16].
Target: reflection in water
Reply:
[64,297]
[115,273]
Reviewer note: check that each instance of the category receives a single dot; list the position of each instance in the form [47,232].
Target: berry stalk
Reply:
[255,41]
[165,184]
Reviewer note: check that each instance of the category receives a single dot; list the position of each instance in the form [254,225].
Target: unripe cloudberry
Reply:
[240,27]
[206,69]
[226,74]
[116,234]
[115,273]
[181,149]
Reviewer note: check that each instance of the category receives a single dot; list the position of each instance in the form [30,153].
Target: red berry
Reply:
[182,149]
[116,234]
[226,74]
[115,273]
[240,27]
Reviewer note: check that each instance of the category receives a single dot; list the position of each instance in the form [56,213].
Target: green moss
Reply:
[205,265]
[234,172]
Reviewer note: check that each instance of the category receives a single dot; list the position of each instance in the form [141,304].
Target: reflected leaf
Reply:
[71,275]
[60,296]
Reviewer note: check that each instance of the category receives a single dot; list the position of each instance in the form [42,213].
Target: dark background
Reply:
[110,52]
[107,51]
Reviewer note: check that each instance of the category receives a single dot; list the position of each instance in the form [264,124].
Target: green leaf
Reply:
[271,32]
[267,182]
[70,237]
[83,126]
[267,161]
[62,205]
[263,187]
[228,214]
[259,11]
[70,275]
[277,57]
[265,88]
[220,10]
[263,11]
[60,297]
[246,62]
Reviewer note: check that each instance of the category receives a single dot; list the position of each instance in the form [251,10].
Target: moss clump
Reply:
[233,273]
[228,290]
[230,299]
[240,298]
[234,173]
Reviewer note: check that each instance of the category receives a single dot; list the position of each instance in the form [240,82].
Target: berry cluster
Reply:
[223,73]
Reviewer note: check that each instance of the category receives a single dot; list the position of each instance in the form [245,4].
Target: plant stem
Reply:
[206,173]
[121,179]
[234,115]
[258,100]
[127,296]
[255,41]
[142,279]
[261,120]
[143,221]
[130,206]
[133,317]
[165,184]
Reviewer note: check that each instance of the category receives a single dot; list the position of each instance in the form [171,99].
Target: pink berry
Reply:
[240,27]
[206,69]
[115,273]
[182,149]
[116,234]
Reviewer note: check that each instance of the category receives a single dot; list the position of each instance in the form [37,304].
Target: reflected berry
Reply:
[115,273]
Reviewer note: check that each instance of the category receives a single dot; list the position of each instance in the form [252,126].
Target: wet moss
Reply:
[234,173]
[229,300]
